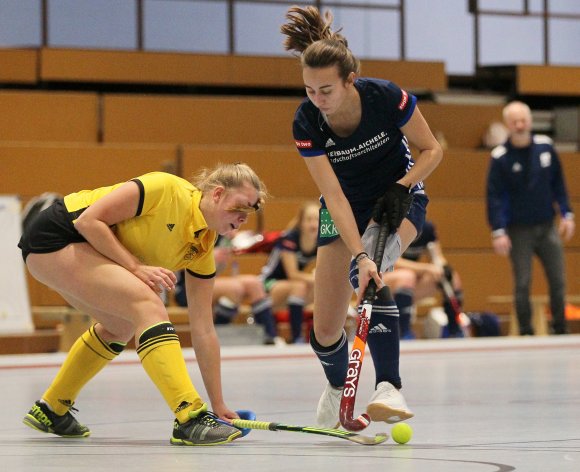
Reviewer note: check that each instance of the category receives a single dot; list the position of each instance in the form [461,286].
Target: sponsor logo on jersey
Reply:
[191,253]
[545,159]
[326,227]
[404,100]
[341,155]
[304,143]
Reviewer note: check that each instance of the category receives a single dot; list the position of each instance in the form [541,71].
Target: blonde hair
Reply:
[296,222]
[231,176]
[309,34]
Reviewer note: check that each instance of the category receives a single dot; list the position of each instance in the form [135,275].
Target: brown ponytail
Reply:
[310,34]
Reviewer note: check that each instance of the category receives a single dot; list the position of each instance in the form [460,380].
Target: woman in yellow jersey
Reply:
[110,252]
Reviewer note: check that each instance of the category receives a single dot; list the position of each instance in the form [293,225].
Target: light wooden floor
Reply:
[481,405]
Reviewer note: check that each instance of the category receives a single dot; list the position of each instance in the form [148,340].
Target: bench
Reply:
[539,311]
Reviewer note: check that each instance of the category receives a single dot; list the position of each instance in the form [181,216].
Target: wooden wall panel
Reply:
[281,168]
[165,68]
[462,173]
[48,116]
[29,170]
[463,126]
[548,80]
[18,66]
[198,120]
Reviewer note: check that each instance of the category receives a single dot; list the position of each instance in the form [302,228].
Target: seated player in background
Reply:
[230,291]
[285,276]
[413,279]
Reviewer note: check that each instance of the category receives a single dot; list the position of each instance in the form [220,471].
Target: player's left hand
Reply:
[367,270]
[395,203]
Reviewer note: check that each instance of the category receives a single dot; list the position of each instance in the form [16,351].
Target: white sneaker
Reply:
[328,407]
[388,404]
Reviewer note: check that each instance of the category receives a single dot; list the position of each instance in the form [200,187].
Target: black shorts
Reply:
[416,216]
[51,230]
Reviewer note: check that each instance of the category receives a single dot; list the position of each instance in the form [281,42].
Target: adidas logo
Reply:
[329,143]
[380,328]
[170,227]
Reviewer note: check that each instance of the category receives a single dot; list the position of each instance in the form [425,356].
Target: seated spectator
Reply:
[413,279]
[284,275]
[230,291]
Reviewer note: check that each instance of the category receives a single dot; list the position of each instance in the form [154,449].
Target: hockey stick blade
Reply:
[335,433]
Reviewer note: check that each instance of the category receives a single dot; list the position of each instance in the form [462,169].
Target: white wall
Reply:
[439,30]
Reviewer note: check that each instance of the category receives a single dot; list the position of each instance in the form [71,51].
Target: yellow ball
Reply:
[402,433]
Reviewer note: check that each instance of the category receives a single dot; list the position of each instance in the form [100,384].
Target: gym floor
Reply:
[495,404]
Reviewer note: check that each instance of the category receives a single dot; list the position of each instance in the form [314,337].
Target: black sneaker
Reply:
[203,429]
[41,418]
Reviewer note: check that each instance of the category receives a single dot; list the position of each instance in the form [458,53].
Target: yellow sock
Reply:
[162,359]
[88,355]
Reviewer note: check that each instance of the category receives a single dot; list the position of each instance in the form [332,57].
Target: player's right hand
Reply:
[502,245]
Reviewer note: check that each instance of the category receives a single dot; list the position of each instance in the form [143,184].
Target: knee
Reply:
[236,294]
[255,291]
[150,309]
[407,279]
[326,335]
[401,279]
[299,289]
[120,331]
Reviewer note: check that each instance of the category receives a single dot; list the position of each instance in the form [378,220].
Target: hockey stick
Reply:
[335,433]
[451,298]
[357,353]
[445,284]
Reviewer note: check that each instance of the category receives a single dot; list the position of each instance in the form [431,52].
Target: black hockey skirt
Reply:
[51,230]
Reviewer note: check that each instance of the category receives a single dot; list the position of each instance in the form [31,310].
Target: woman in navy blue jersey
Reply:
[354,136]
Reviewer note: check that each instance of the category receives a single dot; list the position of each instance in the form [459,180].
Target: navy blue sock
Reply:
[296,310]
[262,310]
[383,341]
[225,311]
[334,359]
[404,301]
